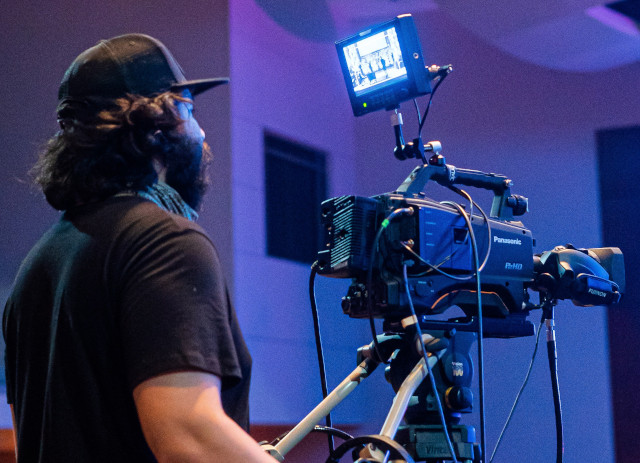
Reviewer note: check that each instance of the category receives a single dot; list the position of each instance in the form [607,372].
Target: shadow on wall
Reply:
[318,22]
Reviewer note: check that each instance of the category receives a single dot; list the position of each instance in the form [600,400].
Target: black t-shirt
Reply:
[114,294]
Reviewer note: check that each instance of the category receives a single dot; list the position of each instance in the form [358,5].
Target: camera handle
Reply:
[505,205]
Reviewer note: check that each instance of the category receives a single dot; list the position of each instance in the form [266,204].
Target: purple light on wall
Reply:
[614,19]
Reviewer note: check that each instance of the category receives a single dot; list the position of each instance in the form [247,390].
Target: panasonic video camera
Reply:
[384,66]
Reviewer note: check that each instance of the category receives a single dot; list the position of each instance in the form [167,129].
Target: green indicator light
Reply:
[364,105]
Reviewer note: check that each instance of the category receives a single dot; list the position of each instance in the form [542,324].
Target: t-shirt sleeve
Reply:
[175,314]
[7,355]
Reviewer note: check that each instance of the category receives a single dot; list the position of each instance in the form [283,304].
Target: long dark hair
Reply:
[106,146]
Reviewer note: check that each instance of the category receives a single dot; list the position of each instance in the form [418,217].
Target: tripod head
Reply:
[452,374]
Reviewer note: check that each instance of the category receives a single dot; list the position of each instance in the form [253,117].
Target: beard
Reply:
[187,164]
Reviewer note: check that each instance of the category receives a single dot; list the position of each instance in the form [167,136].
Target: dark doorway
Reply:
[295,185]
[619,168]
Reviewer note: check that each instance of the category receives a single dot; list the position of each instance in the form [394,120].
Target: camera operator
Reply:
[122,344]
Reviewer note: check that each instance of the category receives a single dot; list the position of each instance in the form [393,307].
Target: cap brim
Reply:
[198,86]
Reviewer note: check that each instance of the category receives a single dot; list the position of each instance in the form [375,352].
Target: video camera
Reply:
[432,237]
[436,241]
[411,257]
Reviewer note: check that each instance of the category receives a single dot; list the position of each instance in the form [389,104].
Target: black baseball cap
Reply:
[133,63]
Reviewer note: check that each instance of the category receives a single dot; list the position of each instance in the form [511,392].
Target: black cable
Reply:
[515,403]
[316,330]
[432,380]
[552,355]
[467,196]
[369,296]
[415,103]
[333,432]
[484,216]
[319,429]
[476,263]
[374,247]
[426,111]
[436,266]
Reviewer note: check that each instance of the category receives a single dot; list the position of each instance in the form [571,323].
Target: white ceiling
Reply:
[567,35]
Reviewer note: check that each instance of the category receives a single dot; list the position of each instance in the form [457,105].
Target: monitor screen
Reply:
[383,66]
[375,61]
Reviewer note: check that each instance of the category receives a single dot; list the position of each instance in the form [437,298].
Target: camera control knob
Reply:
[458,397]
[346,304]
[519,204]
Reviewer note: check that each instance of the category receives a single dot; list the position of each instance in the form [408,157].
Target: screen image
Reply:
[375,60]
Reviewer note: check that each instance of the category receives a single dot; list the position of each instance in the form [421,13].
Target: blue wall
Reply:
[532,124]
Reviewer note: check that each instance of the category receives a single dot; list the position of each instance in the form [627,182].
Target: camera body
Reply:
[438,234]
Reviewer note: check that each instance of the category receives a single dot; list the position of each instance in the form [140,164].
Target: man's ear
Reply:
[160,168]
[159,137]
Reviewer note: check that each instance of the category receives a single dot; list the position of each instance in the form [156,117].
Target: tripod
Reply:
[422,433]
[421,438]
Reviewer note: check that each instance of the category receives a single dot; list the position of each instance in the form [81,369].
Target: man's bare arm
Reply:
[15,431]
[183,421]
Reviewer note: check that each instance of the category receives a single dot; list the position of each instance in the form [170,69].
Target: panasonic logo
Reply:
[497,239]
[597,293]
[512,266]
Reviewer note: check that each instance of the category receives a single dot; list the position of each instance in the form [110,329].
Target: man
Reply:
[121,341]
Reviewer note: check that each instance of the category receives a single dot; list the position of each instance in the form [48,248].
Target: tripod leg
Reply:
[401,400]
[321,410]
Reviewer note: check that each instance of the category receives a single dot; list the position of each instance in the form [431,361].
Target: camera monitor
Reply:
[383,66]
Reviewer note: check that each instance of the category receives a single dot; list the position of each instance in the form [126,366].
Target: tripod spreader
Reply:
[403,346]
[336,396]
